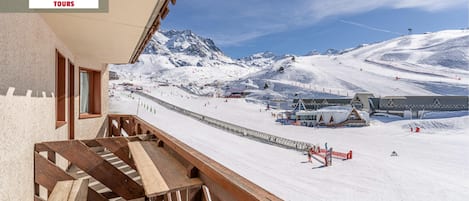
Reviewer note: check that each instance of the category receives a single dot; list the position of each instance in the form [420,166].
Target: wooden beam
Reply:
[70,190]
[192,172]
[91,143]
[36,188]
[37,198]
[115,131]
[110,195]
[152,164]
[47,174]
[91,163]
[79,190]
[128,127]
[160,143]
[39,147]
[119,147]
[51,156]
[61,191]
[238,187]
[165,13]
[93,195]
[207,196]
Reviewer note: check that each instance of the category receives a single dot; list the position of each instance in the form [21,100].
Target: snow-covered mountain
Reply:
[262,59]
[182,57]
[184,48]
[419,64]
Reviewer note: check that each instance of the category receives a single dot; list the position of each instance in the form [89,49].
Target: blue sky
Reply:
[243,27]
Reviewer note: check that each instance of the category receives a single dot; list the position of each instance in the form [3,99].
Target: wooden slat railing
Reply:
[223,183]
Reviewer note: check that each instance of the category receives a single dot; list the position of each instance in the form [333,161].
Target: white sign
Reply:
[64,4]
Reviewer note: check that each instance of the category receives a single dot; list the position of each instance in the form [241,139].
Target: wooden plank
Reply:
[93,195]
[176,176]
[152,164]
[47,174]
[39,147]
[128,127]
[237,187]
[207,196]
[91,143]
[153,182]
[37,198]
[109,195]
[178,196]
[70,190]
[61,191]
[88,161]
[51,156]
[115,131]
[118,146]
[165,13]
[79,191]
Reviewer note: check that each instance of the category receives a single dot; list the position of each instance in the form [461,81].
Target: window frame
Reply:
[60,89]
[94,97]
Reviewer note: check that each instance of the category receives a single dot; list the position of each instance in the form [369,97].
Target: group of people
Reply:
[316,149]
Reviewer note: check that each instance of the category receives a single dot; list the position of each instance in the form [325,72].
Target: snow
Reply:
[431,165]
[420,64]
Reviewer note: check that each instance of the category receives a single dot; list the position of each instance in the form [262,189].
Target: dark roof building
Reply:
[431,103]
[315,104]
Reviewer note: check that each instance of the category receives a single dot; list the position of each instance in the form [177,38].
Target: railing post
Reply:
[51,158]
[109,127]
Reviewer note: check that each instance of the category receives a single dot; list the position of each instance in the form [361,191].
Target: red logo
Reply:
[64,4]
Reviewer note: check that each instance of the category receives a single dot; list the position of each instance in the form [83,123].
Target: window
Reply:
[90,93]
[60,77]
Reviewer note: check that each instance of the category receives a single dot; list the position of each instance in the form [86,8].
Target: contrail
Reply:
[370,28]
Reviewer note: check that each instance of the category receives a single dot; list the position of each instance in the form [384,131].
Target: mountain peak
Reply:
[185,48]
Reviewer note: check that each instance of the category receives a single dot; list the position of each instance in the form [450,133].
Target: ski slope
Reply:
[421,64]
[431,165]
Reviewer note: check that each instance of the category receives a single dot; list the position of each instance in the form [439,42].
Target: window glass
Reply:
[84,92]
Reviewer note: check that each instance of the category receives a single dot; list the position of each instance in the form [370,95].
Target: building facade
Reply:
[393,104]
[54,79]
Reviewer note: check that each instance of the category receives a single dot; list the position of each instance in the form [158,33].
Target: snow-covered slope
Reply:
[425,64]
[431,165]
[419,64]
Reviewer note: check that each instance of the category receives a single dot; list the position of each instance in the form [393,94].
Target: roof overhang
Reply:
[118,36]
[394,97]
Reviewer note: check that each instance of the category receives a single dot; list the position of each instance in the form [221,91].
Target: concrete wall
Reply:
[27,103]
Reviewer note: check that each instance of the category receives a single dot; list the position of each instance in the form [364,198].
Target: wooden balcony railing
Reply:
[113,173]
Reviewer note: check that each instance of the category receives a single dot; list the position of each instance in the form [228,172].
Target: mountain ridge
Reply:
[420,64]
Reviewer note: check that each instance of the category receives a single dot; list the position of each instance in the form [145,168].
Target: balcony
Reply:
[117,171]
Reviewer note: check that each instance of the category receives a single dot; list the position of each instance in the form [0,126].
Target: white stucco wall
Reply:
[27,67]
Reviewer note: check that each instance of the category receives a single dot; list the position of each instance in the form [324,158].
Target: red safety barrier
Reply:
[339,154]
[322,153]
